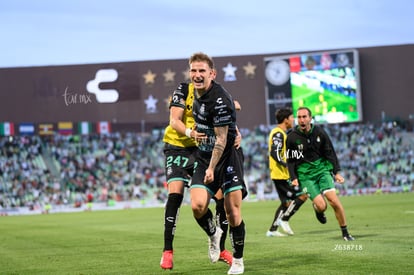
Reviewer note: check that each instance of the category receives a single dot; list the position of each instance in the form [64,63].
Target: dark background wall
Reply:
[58,93]
[386,80]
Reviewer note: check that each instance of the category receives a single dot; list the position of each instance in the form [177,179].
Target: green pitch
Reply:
[322,103]
[130,241]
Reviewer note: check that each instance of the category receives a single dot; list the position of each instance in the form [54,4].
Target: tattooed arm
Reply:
[219,145]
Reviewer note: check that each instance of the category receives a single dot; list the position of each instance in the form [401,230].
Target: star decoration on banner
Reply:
[169,76]
[149,77]
[229,72]
[249,70]
[151,104]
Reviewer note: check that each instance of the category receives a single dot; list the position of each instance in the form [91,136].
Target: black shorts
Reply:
[228,175]
[179,163]
[286,191]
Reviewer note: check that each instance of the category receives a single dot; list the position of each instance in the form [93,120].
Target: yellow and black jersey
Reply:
[277,154]
[182,97]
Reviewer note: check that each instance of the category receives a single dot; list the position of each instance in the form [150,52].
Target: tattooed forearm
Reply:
[220,144]
[219,147]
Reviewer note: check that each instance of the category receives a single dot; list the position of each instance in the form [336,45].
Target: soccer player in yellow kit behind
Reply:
[291,197]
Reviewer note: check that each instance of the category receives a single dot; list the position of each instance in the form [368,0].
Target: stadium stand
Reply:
[60,172]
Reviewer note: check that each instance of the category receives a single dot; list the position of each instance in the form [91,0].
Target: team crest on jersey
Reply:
[230,169]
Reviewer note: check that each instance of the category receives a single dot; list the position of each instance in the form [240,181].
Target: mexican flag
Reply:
[7,129]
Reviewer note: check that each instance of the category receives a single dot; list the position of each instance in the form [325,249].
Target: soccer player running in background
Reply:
[313,164]
[179,150]
[219,163]
[291,197]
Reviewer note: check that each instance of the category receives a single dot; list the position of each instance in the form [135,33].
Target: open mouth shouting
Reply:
[199,83]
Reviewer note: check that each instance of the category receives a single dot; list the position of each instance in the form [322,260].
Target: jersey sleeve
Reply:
[179,96]
[276,148]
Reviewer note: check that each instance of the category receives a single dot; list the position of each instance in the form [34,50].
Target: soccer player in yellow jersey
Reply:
[291,197]
[180,147]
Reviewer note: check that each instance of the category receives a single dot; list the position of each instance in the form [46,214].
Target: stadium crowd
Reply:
[75,170]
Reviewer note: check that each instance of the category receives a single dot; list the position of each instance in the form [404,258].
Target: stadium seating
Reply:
[121,167]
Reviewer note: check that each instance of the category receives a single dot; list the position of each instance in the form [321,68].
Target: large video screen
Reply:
[325,82]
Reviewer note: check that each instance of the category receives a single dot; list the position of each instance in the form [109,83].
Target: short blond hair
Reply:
[201,57]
